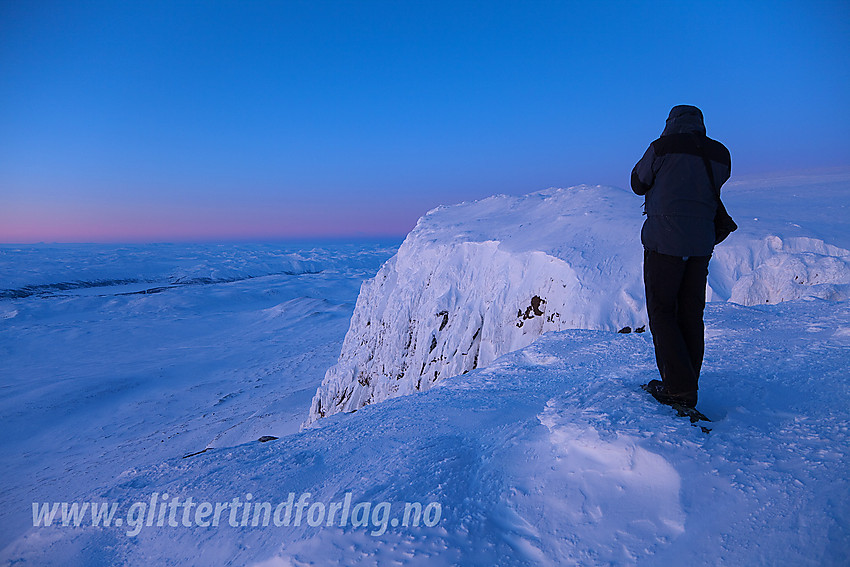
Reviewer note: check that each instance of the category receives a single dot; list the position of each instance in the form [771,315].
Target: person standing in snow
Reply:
[680,176]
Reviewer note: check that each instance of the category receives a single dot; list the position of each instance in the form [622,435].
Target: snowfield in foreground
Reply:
[550,456]
[477,280]
[138,378]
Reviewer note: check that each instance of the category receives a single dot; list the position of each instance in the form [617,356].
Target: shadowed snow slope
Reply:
[476,280]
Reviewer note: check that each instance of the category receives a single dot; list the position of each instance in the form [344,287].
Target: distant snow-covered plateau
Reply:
[473,402]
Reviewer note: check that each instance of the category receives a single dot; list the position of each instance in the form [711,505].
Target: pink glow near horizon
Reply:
[157,226]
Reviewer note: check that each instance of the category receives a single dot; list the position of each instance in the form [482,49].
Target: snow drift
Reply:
[477,280]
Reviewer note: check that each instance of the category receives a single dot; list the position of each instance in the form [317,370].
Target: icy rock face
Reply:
[477,280]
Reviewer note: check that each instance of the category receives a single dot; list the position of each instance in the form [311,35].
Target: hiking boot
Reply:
[659,392]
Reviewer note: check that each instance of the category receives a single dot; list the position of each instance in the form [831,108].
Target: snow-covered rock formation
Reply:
[477,280]
[752,271]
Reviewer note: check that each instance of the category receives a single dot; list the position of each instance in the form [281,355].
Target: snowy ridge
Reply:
[792,243]
[773,270]
[477,280]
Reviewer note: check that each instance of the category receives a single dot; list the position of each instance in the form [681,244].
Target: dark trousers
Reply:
[675,302]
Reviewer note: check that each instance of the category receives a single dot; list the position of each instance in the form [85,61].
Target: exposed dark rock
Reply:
[536,302]
[445,321]
[535,308]
[196,453]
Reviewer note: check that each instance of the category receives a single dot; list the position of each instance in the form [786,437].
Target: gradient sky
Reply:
[214,120]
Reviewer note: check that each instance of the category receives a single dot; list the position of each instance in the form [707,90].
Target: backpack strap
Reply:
[723,223]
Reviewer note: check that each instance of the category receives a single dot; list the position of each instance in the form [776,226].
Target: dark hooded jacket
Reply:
[680,200]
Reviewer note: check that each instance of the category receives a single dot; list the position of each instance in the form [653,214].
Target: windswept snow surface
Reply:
[552,455]
[477,280]
[549,455]
[114,357]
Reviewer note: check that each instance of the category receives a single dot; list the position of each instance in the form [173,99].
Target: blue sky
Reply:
[151,121]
